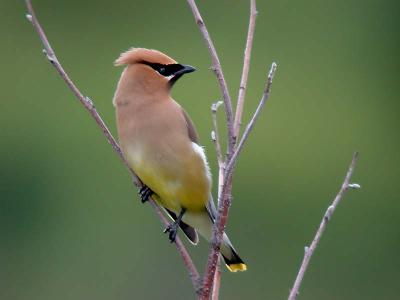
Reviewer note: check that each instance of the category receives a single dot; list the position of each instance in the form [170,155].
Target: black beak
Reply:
[185,69]
[178,74]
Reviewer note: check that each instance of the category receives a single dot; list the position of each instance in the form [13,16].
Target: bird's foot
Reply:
[172,230]
[145,192]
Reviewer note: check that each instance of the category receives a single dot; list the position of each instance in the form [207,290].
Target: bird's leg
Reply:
[145,192]
[173,227]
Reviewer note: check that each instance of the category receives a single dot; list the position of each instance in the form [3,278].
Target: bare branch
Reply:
[224,197]
[215,132]
[232,162]
[221,171]
[308,251]
[88,104]
[246,68]
[217,282]
[224,202]
[215,139]
[193,273]
[216,67]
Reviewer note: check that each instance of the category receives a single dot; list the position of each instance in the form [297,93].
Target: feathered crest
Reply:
[139,55]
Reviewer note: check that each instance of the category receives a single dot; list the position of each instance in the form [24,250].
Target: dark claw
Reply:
[172,229]
[145,192]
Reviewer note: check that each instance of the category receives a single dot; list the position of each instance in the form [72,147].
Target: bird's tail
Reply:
[232,260]
[203,223]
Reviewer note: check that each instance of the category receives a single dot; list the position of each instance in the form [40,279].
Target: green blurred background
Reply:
[71,225]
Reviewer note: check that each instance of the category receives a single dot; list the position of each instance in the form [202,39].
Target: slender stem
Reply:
[216,67]
[327,216]
[221,172]
[193,273]
[88,104]
[225,192]
[216,141]
[246,68]
[230,166]
[217,282]
[215,132]
[224,202]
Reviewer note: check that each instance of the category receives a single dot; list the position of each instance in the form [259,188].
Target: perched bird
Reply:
[160,143]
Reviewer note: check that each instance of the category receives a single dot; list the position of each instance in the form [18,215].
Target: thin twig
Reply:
[216,141]
[249,127]
[88,104]
[221,172]
[215,132]
[308,251]
[193,273]
[224,201]
[217,282]
[246,68]
[224,198]
[216,67]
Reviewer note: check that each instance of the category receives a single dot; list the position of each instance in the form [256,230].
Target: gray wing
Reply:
[192,132]
[211,209]
[194,137]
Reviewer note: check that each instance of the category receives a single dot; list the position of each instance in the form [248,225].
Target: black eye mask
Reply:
[166,70]
[175,70]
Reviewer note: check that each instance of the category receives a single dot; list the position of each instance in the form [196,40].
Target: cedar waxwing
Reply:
[160,143]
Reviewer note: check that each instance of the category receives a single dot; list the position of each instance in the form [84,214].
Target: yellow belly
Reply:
[179,183]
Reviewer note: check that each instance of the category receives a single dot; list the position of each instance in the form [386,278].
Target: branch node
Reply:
[272,71]
[306,248]
[29,17]
[213,136]
[48,56]
[89,102]
[354,186]
[329,213]
[200,22]
[214,132]
[215,245]
[199,288]
[216,105]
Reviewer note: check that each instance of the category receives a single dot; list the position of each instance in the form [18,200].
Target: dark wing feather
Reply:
[192,132]
[189,231]
[211,209]
[194,137]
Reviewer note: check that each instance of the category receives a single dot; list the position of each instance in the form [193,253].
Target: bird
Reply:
[161,145]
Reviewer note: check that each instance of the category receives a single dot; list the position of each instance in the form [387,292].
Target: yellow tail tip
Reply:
[237,267]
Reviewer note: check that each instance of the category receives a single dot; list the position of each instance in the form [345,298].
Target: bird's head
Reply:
[153,67]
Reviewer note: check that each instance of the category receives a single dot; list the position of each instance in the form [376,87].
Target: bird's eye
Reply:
[161,71]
